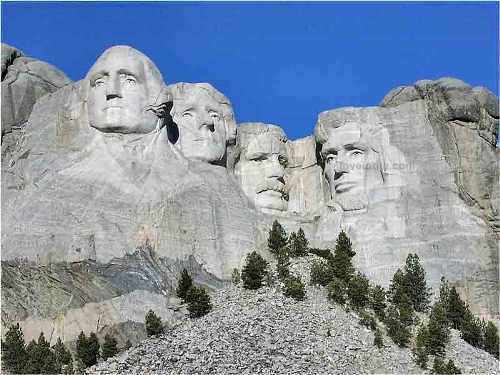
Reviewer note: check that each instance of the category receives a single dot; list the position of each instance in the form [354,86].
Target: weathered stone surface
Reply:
[24,81]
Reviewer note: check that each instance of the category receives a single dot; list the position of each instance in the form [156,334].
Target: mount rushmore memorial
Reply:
[113,184]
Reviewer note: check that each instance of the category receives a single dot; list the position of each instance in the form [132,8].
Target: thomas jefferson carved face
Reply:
[123,84]
[350,166]
[261,171]
[203,118]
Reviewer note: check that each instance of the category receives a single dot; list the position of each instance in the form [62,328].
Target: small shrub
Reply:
[444,369]
[153,323]
[337,290]
[185,283]
[109,347]
[198,302]
[357,291]
[235,276]
[378,340]
[321,273]
[254,271]
[367,320]
[294,287]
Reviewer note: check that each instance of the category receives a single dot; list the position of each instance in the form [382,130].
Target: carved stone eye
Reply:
[283,161]
[98,82]
[214,115]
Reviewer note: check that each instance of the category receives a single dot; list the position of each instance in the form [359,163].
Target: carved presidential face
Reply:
[202,129]
[121,91]
[350,166]
[261,171]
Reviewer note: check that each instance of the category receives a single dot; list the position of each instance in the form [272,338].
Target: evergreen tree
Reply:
[14,350]
[397,287]
[377,301]
[185,283]
[337,290]
[93,349]
[358,288]
[378,341]
[235,276]
[451,369]
[321,273]
[396,321]
[298,244]
[282,265]
[254,271]
[198,302]
[444,292]
[62,355]
[438,329]
[420,348]
[444,369]
[153,324]
[32,364]
[491,339]
[109,347]
[277,238]
[367,320]
[415,285]
[471,330]
[341,262]
[40,358]
[456,310]
[406,313]
[294,287]
[81,349]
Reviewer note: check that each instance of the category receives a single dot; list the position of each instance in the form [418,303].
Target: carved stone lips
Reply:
[112,107]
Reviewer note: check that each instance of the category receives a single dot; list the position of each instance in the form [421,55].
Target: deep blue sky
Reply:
[280,63]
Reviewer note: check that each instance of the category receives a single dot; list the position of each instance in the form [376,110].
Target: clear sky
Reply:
[280,63]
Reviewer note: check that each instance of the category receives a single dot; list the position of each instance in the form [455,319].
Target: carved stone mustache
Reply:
[271,185]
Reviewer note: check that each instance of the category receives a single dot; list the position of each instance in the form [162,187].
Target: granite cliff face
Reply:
[108,192]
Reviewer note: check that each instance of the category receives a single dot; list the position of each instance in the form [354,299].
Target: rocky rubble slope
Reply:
[263,332]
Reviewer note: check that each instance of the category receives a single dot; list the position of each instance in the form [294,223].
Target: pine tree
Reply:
[198,302]
[378,340]
[282,265]
[438,329]
[235,276]
[298,244]
[185,282]
[420,348]
[471,330]
[397,287]
[62,355]
[109,347]
[341,262]
[277,238]
[358,288]
[40,358]
[254,271]
[415,285]
[14,350]
[82,348]
[456,310]
[321,274]
[444,369]
[397,330]
[451,369]
[444,292]
[491,344]
[32,364]
[153,324]
[377,301]
[406,313]
[93,349]
[294,288]
[337,290]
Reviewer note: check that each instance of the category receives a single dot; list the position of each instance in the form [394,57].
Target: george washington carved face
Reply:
[123,84]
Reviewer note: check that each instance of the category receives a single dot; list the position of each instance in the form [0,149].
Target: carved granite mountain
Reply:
[118,181]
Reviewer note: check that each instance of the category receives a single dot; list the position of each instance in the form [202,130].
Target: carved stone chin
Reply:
[261,166]
[123,85]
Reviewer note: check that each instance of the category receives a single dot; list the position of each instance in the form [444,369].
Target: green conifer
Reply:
[378,301]
[282,265]
[62,355]
[337,291]
[341,262]
[198,302]
[185,283]
[153,324]
[396,322]
[471,330]
[321,273]
[294,288]
[254,271]
[109,347]
[378,340]
[235,276]
[438,329]
[298,244]
[420,347]
[93,349]
[456,310]
[277,238]
[415,285]
[358,288]
[397,287]
[491,344]
[14,350]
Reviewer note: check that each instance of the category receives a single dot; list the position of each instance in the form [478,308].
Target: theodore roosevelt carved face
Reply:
[123,85]
[260,167]
[205,121]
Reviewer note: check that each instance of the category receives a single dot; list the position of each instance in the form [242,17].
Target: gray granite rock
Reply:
[24,81]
